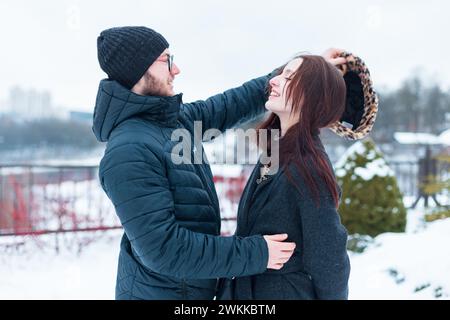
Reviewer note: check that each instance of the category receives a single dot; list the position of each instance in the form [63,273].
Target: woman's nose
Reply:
[274,81]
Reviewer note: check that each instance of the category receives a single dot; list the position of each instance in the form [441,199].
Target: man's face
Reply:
[158,80]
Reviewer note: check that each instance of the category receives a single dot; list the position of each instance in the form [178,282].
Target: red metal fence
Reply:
[41,199]
[37,200]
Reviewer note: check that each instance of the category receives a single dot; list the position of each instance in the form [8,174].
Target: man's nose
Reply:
[175,70]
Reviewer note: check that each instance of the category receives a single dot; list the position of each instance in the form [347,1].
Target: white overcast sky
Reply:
[218,44]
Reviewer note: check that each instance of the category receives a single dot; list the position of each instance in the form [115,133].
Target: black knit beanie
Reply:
[125,53]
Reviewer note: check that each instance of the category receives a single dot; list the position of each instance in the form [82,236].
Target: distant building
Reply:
[32,105]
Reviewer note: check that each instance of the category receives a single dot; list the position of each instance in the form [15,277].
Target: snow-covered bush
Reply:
[371,200]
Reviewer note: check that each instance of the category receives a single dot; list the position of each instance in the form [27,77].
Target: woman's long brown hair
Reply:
[317,93]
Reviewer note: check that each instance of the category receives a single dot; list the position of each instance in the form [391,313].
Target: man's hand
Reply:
[279,252]
[332,56]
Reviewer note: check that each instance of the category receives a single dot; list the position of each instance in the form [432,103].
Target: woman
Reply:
[301,199]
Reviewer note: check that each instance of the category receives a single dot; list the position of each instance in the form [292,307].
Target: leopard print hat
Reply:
[361,100]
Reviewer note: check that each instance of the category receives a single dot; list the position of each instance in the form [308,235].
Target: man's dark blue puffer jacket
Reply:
[171,248]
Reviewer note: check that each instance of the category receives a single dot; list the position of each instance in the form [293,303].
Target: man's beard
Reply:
[154,86]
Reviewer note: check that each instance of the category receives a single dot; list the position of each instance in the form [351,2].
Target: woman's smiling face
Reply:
[277,102]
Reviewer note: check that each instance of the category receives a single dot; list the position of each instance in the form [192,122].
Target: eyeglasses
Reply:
[169,61]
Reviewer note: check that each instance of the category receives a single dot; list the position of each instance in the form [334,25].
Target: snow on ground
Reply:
[36,271]
[412,265]
[404,266]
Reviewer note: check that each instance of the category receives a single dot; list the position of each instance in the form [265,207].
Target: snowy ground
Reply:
[404,266]
[411,265]
[35,270]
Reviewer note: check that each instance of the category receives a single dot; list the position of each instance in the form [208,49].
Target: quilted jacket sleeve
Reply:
[225,110]
[134,179]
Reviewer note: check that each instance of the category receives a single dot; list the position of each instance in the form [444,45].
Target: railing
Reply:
[412,176]
[406,173]
[43,199]
[38,200]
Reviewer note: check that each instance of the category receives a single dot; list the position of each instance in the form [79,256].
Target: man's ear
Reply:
[139,87]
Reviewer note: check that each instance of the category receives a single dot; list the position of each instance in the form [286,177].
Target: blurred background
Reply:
[59,237]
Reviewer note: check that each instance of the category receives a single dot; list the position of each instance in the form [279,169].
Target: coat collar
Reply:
[115,104]
[255,191]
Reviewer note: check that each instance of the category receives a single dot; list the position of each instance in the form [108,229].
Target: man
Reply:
[171,248]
